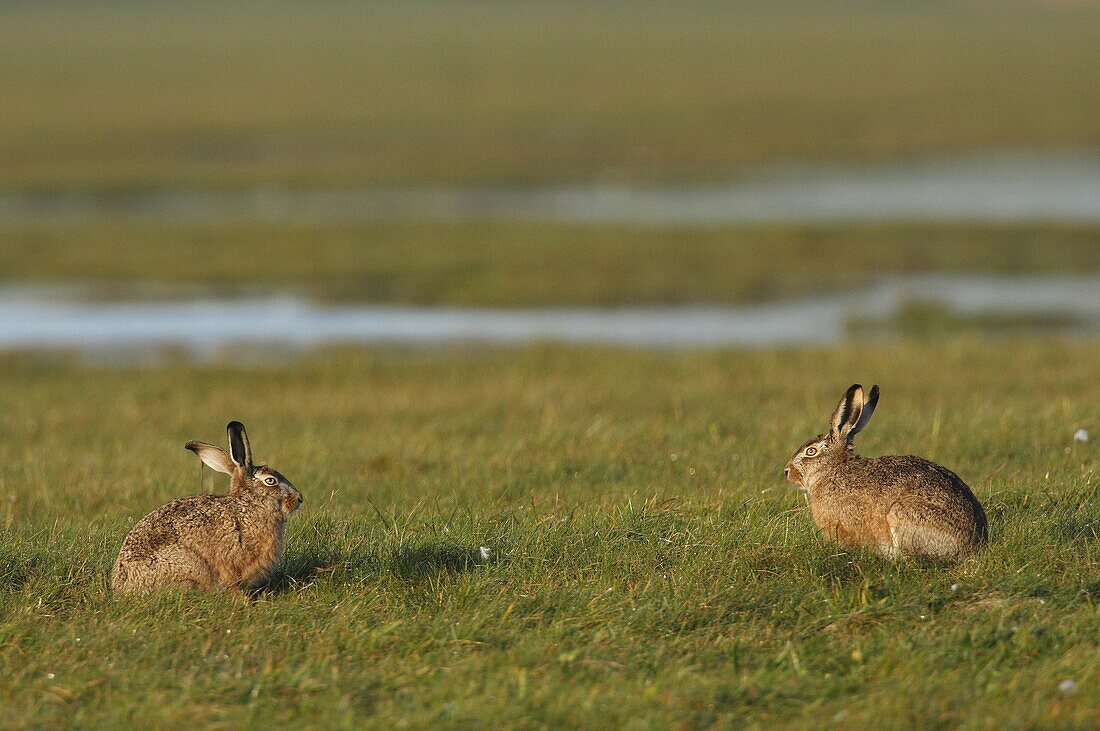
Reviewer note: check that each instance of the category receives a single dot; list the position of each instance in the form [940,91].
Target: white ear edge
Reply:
[849,406]
[213,457]
[240,449]
[865,413]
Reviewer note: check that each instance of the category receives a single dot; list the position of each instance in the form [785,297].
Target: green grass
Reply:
[510,265]
[922,319]
[306,93]
[652,569]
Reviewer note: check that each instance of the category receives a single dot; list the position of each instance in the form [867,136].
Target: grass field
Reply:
[132,93]
[651,568]
[511,265]
[648,567]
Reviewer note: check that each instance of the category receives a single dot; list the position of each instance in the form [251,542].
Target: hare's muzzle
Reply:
[293,501]
[792,474]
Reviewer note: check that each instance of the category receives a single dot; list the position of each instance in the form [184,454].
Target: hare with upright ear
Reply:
[895,504]
[212,541]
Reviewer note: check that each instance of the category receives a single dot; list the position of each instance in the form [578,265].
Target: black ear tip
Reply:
[192,445]
[234,426]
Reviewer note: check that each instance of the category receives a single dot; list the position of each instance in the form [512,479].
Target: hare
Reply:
[212,541]
[896,504]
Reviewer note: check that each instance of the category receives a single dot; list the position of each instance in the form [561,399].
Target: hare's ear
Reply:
[847,411]
[239,448]
[860,420]
[213,457]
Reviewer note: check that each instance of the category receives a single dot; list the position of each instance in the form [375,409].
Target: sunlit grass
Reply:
[305,93]
[510,265]
[649,566]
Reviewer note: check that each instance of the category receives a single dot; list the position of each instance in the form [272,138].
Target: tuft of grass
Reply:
[649,566]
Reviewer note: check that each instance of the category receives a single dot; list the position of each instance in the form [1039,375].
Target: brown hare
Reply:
[895,504]
[212,541]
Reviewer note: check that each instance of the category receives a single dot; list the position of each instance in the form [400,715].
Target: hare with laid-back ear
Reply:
[212,541]
[895,504]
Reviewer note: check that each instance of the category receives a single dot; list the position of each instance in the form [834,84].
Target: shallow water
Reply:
[53,317]
[1003,188]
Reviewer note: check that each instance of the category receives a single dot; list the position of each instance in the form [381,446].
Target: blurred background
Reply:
[687,174]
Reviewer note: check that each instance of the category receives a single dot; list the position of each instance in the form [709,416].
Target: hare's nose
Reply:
[787,472]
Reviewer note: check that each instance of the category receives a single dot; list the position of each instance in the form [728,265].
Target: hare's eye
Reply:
[271,481]
[811,451]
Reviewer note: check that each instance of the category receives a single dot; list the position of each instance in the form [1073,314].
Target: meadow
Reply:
[647,565]
[648,568]
[210,94]
[526,264]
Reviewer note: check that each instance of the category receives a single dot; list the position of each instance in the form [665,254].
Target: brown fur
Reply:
[895,504]
[211,541]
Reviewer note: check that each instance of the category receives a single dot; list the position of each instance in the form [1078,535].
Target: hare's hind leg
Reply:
[888,549]
[173,566]
[185,568]
[911,532]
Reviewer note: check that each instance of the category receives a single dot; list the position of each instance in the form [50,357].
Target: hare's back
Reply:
[930,488]
[200,518]
[917,475]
